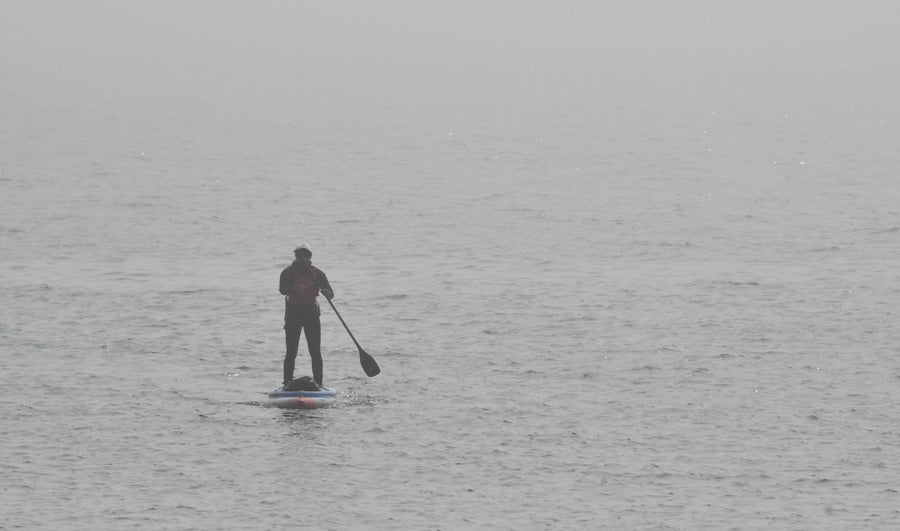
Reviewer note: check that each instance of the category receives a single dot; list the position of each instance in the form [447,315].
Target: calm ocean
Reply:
[621,267]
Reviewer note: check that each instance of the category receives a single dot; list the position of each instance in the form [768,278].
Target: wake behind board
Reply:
[301,399]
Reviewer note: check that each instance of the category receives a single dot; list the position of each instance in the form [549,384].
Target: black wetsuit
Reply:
[302,314]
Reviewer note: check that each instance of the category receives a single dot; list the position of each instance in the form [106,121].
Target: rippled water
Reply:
[665,307]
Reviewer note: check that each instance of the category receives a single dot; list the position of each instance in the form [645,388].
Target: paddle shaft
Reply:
[347,328]
[369,365]
[336,312]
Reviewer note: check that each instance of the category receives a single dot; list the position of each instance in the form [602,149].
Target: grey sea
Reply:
[622,266]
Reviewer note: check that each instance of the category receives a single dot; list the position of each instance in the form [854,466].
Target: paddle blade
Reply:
[368,363]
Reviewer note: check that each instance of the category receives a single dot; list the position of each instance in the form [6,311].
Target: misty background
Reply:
[621,263]
[407,72]
[326,89]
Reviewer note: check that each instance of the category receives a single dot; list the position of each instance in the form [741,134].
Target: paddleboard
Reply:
[301,399]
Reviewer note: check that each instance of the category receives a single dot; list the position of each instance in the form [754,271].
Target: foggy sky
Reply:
[246,64]
[318,47]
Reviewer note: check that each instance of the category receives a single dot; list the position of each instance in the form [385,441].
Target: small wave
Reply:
[739,283]
[194,291]
[578,318]
[253,403]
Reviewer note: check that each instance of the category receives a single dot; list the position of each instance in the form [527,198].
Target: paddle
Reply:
[367,362]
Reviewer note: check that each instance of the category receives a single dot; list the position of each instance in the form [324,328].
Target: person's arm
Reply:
[324,286]
[284,284]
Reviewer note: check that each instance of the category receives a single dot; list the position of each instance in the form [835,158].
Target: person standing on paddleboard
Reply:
[300,283]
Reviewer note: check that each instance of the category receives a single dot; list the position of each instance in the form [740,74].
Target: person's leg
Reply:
[292,328]
[314,343]
[292,341]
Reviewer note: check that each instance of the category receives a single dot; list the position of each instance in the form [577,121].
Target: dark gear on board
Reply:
[300,283]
